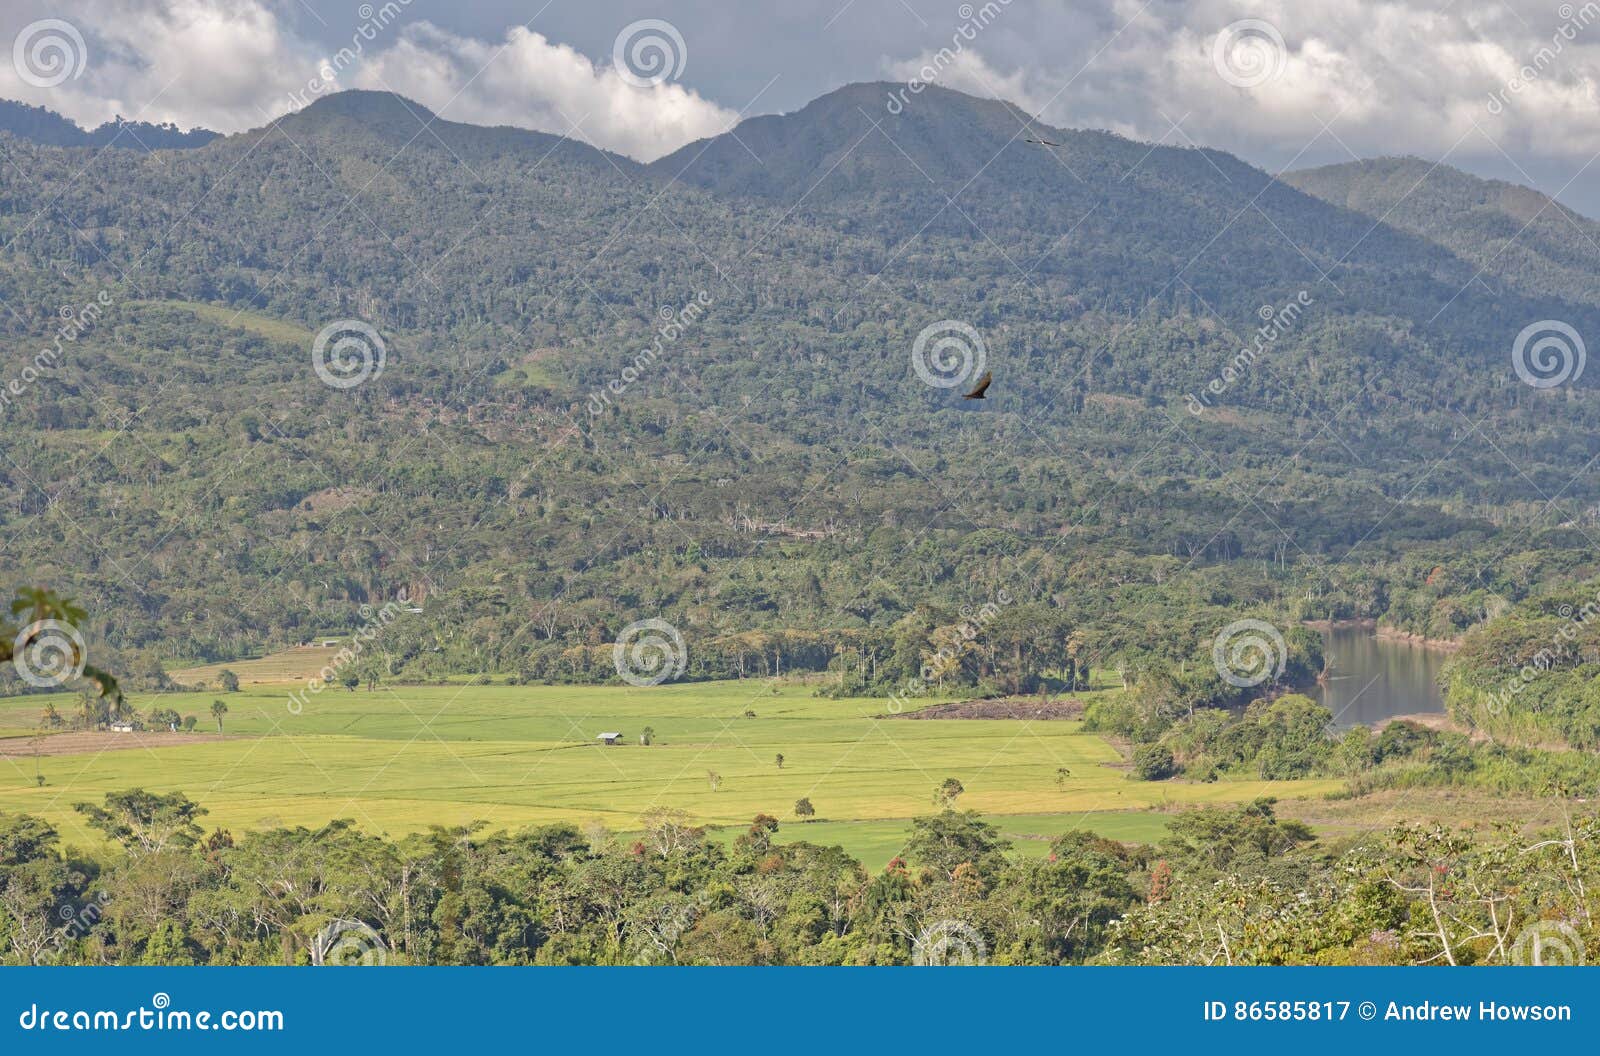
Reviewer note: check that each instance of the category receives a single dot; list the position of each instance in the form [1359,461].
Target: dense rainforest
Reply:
[599,392]
[1234,886]
[685,391]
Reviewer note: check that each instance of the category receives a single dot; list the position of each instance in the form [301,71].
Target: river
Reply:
[1374,678]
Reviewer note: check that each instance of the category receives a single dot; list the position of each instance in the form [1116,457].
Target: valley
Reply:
[401,760]
[533,554]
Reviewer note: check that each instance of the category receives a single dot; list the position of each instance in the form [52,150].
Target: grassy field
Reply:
[251,322]
[398,759]
[297,665]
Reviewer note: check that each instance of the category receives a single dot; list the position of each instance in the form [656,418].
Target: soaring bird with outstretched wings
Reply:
[1041,142]
[979,389]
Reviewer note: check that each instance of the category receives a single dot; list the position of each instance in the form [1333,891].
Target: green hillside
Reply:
[537,466]
[1517,236]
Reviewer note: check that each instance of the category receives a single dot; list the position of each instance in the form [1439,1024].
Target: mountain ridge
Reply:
[512,275]
[41,125]
[1516,233]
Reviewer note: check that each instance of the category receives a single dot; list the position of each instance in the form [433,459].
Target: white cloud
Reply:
[1389,76]
[968,72]
[229,65]
[1404,76]
[533,83]
[215,63]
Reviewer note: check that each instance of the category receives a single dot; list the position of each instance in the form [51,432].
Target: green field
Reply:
[399,759]
[289,666]
[251,322]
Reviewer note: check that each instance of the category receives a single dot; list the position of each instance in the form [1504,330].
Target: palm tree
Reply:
[91,711]
[218,709]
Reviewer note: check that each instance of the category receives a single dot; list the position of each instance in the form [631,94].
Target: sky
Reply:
[1502,88]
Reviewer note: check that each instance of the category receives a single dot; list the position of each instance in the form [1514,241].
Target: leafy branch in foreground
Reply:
[48,649]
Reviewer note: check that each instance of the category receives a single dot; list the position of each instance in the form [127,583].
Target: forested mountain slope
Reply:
[39,125]
[1516,236]
[524,472]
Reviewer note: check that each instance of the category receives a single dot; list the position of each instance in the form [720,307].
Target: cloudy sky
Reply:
[1506,88]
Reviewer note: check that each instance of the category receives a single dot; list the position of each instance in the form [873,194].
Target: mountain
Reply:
[39,125]
[945,135]
[386,119]
[687,389]
[1514,234]
[1107,219]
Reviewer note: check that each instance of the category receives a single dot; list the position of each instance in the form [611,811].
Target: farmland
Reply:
[402,758]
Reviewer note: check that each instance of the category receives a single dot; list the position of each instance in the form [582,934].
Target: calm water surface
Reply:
[1373,679]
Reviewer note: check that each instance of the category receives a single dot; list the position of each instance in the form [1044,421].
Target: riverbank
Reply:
[1386,633]
[1440,722]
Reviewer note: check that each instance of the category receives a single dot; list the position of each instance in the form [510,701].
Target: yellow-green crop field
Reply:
[402,758]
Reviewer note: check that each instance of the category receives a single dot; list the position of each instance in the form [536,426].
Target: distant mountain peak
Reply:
[390,121]
[1371,178]
[893,97]
[385,113]
[367,104]
[861,134]
[1517,234]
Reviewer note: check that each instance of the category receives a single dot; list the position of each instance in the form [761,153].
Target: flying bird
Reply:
[1041,142]
[979,389]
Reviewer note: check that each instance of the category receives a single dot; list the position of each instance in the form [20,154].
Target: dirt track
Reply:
[89,741]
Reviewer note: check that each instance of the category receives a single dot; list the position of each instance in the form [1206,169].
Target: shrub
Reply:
[1153,762]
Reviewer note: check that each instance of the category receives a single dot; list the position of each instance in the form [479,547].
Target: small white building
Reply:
[610,738]
[122,727]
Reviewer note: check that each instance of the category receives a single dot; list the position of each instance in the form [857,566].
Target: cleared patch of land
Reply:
[1004,708]
[1456,808]
[399,759]
[266,326]
[79,742]
[300,664]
